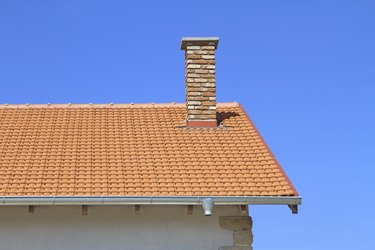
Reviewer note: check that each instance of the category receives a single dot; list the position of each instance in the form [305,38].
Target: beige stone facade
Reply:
[241,226]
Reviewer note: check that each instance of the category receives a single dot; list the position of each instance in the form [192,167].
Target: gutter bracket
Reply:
[294,208]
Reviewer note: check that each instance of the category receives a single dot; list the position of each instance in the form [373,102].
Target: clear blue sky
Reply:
[304,71]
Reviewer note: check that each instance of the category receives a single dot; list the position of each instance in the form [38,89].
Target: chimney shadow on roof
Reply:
[222,116]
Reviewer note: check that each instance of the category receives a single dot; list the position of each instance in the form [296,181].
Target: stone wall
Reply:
[241,227]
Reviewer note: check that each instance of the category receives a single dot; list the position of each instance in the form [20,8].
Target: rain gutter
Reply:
[143,200]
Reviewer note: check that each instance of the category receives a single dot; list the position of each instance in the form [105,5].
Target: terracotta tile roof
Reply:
[133,150]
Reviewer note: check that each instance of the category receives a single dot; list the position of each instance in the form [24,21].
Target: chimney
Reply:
[200,80]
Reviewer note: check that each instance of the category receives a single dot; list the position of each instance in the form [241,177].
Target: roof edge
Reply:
[109,105]
[150,200]
[270,152]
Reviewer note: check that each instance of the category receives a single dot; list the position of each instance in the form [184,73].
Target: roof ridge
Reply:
[111,105]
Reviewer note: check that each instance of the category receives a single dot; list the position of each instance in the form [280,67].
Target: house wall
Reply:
[113,227]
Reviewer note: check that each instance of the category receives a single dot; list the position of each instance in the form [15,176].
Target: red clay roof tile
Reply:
[133,150]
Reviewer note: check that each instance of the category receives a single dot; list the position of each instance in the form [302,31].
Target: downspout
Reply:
[208,205]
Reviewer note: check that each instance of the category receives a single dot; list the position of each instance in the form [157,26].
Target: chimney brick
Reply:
[200,81]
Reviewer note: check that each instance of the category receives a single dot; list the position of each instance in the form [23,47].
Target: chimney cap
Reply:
[199,41]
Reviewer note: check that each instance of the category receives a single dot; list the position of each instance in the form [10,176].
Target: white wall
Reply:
[112,227]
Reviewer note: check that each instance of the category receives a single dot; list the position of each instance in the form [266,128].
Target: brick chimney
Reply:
[200,80]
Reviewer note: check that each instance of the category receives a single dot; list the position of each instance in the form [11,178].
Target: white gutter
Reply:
[142,200]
